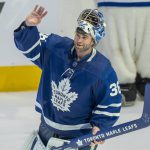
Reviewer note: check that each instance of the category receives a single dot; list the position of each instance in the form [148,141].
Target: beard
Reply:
[83,48]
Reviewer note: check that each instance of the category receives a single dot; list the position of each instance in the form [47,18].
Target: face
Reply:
[83,43]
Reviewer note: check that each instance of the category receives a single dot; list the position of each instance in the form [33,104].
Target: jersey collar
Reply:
[86,58]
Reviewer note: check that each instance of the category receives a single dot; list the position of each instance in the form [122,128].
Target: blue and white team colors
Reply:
[73,95]
[128,21]
[123,3]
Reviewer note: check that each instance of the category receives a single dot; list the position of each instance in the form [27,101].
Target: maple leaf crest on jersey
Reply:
[61,97]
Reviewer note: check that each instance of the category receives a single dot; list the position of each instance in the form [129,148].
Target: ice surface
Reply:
[18,118]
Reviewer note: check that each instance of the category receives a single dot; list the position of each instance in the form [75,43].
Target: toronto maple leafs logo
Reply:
[43,37]
[61,97]
[79,142]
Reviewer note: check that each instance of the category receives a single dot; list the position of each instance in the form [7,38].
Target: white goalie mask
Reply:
[92,22]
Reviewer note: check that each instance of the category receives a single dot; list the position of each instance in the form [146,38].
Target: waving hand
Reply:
[35,17]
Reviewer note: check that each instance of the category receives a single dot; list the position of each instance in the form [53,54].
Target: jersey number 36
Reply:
[115,89]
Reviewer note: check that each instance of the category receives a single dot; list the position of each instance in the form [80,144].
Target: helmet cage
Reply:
[90,16]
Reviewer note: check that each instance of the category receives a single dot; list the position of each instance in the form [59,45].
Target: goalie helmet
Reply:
[92,22]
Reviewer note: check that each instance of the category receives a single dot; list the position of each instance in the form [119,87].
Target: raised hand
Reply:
[35,17]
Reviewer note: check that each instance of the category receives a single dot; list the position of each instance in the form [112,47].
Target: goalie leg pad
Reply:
[33,142]
[56,142]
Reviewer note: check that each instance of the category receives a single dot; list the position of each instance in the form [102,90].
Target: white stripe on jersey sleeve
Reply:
[35,58]
[111,105]
[32,48]
[106,113]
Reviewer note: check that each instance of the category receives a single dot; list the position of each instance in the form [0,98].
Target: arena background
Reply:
[17,115]
[16,72]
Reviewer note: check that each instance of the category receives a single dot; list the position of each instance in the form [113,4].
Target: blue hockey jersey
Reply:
[73,95]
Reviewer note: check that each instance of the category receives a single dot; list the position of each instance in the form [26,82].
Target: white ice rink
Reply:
[18,118]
